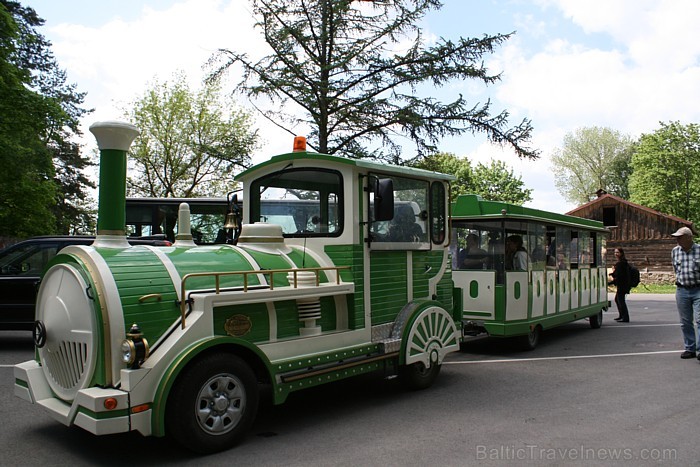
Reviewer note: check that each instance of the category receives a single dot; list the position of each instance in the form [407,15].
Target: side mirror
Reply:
[383,199]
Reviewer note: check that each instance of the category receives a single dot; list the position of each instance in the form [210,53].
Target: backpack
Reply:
[634,276]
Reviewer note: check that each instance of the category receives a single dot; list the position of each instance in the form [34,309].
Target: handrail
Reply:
[245,274]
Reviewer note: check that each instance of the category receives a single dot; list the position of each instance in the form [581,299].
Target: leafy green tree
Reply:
[191,143]
[353,73]
[493,182]
[666,173]
[496,182]
[590,159]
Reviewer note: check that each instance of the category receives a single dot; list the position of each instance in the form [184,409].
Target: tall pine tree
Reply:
[360,77]
[43,188]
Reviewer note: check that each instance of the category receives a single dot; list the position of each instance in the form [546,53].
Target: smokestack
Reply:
[113,140]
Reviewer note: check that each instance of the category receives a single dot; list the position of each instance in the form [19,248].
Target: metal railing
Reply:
[265,272]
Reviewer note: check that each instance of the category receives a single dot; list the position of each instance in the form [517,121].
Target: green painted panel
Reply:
[305,261]
[388,279]
[287,319]
[211,258]
[272,261]
[328,319]
[137,272]
[256,315]
[351,255]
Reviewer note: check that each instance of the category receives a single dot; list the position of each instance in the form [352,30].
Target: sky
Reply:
[623,64]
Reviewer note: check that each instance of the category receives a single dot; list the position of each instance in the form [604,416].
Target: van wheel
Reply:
[530,340]
[596,321]
[213,404]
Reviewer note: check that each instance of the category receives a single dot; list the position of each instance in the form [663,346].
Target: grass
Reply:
[655,288]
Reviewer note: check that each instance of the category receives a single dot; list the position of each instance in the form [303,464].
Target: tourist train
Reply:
[378,272]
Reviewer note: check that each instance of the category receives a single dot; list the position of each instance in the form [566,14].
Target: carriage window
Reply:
[305,202]
[408,229]
[584,250]
[600,250]
[563,246]
[537,241]
[477,245]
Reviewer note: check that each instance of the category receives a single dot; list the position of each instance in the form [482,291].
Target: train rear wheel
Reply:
[212,404]
[417,376]
[530,340]
[596,321]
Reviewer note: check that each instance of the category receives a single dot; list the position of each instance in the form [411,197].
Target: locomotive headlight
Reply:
[134,348]
[128,351]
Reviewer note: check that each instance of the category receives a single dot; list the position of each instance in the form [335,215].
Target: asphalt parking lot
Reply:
[618,395]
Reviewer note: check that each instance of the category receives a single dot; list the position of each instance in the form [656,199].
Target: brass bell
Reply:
[231,221]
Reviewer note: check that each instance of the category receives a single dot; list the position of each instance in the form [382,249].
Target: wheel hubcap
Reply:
[220,404]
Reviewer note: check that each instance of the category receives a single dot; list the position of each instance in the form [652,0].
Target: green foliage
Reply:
[592,158]
[352,73]
[666,173]
[190,143]
[41,184]
[494,182]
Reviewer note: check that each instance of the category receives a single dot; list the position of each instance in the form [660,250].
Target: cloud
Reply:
[114,62]
[642,69]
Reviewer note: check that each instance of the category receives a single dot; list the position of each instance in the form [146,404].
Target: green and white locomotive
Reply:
[341,267]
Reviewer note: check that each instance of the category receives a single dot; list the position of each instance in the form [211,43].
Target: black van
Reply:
[21,266]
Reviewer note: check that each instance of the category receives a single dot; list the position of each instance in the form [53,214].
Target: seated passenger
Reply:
[516,255]
[403,227]
[472,257]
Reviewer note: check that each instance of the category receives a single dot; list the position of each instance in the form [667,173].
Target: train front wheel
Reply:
[212,404]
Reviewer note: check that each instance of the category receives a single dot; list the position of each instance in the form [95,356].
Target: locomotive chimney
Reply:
[113,140]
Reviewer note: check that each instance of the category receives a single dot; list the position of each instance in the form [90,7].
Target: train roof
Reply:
[473,207]
[360,163]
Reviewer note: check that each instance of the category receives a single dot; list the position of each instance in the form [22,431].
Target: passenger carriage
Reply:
[564,278]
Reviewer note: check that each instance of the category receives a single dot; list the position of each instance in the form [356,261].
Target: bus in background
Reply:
[156,216]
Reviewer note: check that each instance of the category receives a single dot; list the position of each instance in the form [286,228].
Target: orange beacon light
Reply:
[299,144]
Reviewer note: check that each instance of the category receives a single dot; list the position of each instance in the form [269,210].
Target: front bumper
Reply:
[87,410]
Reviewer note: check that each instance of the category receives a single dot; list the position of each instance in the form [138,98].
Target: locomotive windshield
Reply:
[305,202]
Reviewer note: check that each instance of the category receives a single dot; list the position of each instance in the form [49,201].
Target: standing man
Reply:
[686,265]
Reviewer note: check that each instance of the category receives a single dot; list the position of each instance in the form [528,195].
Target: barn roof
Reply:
[617,199]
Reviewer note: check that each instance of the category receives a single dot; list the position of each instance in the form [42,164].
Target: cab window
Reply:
[409,227]
[305,202]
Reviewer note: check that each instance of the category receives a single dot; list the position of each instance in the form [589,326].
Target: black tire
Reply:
[530,340]
[596,321]
[213,404]
[416,376]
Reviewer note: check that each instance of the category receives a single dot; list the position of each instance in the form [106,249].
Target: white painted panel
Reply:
[483,284]
[551,286]
[575,286]
[603,274]
[585,284]
[538,294]
[516,307]
[564,290]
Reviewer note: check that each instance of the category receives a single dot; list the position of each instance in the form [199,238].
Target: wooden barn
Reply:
[644,233]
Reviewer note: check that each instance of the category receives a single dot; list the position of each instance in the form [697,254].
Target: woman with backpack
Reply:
[621,280]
